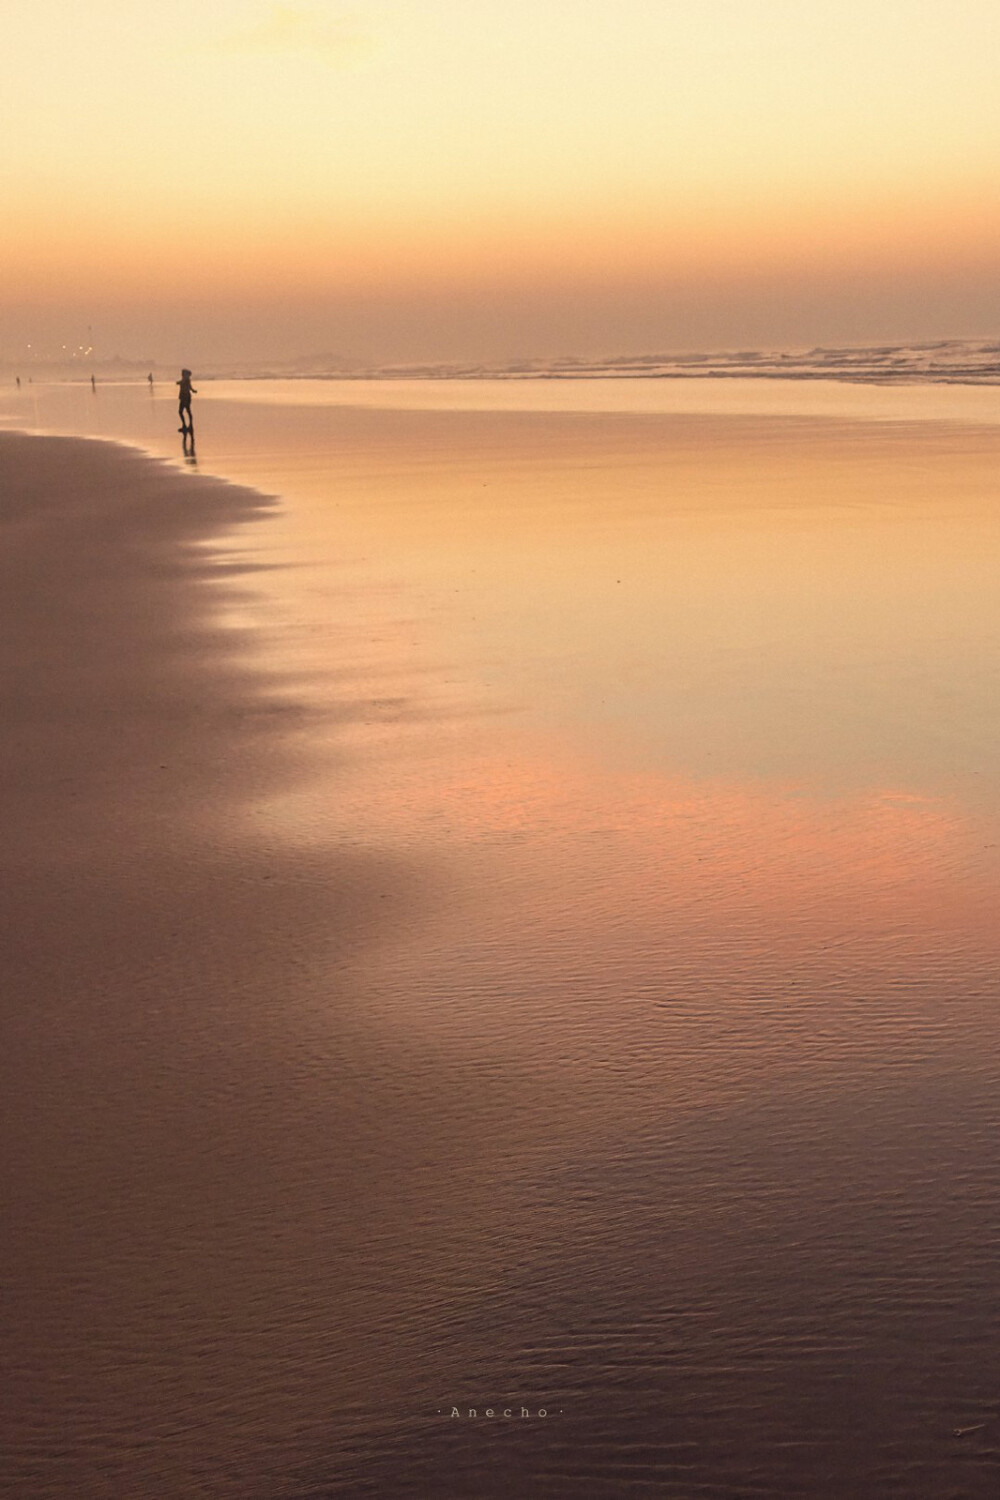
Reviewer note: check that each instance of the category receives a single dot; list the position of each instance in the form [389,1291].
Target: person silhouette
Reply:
[93,383]
[185,392]
[149,377]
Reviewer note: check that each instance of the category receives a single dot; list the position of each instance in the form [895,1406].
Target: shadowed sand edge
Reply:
[164,974]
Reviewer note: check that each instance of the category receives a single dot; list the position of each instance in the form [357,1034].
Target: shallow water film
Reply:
[553,970]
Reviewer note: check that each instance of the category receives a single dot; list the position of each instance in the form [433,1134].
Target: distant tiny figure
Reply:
[186,391]
[149,377]
[18,379]
[93,383]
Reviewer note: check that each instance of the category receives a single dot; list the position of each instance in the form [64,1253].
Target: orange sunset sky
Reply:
[490,179]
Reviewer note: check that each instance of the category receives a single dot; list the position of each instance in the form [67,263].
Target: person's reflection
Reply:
[187,442]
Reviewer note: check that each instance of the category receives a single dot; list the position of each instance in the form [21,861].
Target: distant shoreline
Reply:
[945,362]
[812,377]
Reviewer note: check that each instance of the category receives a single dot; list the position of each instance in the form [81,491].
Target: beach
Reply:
[499,915]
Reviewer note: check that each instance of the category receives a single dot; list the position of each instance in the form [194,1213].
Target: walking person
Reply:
[186,391]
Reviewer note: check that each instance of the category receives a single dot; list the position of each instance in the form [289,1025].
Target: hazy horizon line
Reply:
[965,360]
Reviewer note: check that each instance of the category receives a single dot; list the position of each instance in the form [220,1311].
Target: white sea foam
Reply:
[947,361]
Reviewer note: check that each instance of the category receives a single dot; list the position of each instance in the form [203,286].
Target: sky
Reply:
[484,180]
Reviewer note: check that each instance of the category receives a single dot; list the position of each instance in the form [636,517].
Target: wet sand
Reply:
[510,925]
[151,937]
